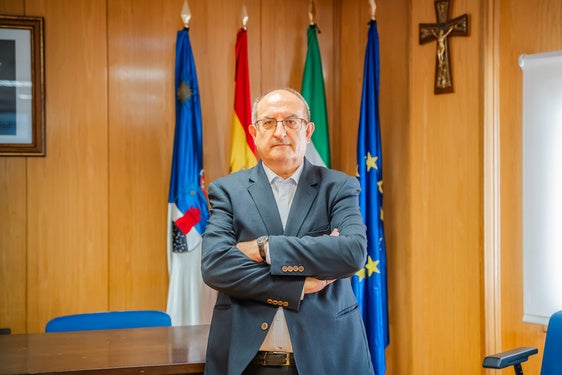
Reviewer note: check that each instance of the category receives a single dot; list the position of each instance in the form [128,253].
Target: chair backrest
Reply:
[109,320]
[552,356]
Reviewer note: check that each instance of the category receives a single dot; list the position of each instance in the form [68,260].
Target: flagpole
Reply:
[312,15]
[244,17]
[373,9]
[185,14]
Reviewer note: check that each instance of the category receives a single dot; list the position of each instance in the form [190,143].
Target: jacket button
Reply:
[301,268]
[264,326]
[284,268]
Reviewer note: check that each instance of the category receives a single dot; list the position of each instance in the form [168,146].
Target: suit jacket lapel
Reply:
[261,193]
[307,190]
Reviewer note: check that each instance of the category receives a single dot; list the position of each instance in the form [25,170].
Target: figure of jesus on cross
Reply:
[440,32]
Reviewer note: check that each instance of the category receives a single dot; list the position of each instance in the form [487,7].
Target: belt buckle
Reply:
[273,358]
[287,357]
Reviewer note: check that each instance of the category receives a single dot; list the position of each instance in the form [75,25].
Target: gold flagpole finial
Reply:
[312,12]
[244,16]
[185,14]
[373,9]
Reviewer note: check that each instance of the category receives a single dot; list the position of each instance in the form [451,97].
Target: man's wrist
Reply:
[262,242]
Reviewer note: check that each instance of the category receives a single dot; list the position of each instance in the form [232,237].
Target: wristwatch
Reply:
[261,246]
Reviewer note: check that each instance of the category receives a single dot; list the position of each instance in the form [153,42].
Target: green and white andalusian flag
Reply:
[318,151]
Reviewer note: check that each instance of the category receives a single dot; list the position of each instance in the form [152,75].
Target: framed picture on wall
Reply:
[22,91]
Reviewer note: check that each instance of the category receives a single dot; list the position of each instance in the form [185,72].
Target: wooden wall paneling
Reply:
[13,244]
[67,189]
[283,44]
[525,28]
[421,92]
[446,203]
[141,60]
[491,146]
[393,25]
[353,29]
[12,7]
[13,216]
[336,95]
[466,120]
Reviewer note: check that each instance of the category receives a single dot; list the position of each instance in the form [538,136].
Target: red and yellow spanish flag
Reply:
[243,153]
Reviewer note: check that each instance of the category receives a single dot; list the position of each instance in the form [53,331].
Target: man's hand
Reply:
[250,249]
[313,285]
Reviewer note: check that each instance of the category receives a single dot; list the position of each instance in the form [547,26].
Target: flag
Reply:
[317,151]
[369,284]
[243,153]
[190,301]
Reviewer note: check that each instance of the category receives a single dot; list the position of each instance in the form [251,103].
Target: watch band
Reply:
[261,246]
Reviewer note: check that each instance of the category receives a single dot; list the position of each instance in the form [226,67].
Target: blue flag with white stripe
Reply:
[369,284]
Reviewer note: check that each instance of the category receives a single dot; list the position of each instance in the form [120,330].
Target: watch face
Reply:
[261,246]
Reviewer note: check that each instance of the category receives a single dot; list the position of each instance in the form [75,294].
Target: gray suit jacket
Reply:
[326,328]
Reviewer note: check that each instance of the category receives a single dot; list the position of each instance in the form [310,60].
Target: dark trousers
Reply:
[256,369]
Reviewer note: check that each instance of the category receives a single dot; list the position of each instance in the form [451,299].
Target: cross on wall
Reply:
[440,32]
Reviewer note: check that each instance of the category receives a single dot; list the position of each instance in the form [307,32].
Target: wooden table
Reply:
[162,350]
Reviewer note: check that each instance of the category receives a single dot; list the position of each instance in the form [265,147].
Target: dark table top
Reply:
[160,350]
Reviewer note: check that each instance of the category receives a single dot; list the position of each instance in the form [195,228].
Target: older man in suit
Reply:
[282,241]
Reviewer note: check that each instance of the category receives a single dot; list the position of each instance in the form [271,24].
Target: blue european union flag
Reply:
[187,161]
[369,284]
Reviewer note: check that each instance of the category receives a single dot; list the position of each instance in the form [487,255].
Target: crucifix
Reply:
[440,32]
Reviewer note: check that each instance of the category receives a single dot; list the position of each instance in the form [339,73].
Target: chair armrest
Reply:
[509,358]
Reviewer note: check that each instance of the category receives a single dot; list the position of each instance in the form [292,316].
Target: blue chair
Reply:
[109,320]
[552,356]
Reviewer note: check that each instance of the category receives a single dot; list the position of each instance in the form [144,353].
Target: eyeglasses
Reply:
[289,123]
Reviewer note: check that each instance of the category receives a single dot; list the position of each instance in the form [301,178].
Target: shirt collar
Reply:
[271,175]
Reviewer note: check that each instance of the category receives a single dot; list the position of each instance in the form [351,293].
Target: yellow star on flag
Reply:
[371,161]
[361,274]
[370,267]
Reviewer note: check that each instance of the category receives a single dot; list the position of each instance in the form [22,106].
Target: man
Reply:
[282,241]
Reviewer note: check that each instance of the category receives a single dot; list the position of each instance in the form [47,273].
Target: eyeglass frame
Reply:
[259,123]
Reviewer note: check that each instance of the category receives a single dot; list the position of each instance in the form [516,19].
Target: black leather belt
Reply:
[274,359]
